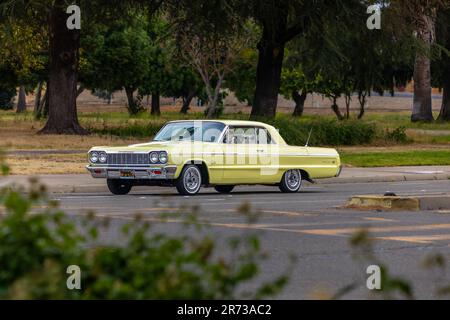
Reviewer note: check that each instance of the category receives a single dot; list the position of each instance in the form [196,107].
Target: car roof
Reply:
[275,134]
[230,122]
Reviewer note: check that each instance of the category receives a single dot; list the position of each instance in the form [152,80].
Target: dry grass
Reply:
[47,164]
[21,135]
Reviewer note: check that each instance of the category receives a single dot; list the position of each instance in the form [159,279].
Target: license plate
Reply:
[126,173]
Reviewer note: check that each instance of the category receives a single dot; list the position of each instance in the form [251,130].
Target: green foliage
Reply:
[116,57]
[242,78]
[397,135]
[294,131]
[325,132]
[23,55]
[37,246]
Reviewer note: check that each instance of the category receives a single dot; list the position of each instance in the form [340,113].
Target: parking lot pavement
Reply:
[311,225]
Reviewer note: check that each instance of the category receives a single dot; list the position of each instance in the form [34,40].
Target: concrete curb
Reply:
[400,203]
[85,184]
[396,178]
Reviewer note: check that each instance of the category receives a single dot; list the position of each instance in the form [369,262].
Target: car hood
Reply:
[146,147]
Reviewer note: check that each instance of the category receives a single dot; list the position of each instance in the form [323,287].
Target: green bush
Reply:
[36,249]
[397,135]
[325,132]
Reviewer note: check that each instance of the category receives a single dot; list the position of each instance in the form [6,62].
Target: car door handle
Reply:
[260,150]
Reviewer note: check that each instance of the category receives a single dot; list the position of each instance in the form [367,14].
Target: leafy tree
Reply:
[210,43]
[242,77]
[420,16]
[281,21]
[183,82]
[296,85]
[116,58]
[64,47]
[22,56]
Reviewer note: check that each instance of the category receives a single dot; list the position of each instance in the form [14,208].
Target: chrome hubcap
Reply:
[192,179]
[293,179]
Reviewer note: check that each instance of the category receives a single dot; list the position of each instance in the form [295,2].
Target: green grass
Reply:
[391,159]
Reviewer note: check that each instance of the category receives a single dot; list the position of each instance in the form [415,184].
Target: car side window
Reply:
[263,136]
[241,135]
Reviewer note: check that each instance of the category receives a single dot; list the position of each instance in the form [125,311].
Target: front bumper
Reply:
[133,173]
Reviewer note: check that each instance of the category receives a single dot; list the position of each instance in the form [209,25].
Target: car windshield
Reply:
[206,131]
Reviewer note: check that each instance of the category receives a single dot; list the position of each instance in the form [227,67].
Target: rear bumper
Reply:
[133,173]
[339,171]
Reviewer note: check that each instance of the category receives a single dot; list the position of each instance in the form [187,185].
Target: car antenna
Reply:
[309,137]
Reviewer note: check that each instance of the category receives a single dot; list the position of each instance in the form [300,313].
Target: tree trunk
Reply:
[213,99]
[444,115]
[299,100]
[156,107]
[42,109]
[268,79]
[133,105]
[22,101]
[336,110]
[37,98]
[187,102]
[63,74]
[348,100]
[422,105]
[362,104]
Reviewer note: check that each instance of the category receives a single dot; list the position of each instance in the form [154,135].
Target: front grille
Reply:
[124,159]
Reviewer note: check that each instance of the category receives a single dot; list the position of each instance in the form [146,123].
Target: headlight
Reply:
[154,157]
[94,157]
[102,157]
[163,157]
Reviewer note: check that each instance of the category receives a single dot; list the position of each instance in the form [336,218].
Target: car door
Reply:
[241,164]
[268,157]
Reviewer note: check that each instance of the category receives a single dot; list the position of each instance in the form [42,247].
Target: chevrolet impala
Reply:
[212,153]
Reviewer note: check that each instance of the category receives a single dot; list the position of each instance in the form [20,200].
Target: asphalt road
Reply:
[311,225]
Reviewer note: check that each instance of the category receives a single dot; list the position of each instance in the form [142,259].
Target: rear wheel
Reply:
[119,187]
[291,181]
[224,189]
[190,180]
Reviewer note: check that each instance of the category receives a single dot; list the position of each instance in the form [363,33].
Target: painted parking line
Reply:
[424,239]
[344,231]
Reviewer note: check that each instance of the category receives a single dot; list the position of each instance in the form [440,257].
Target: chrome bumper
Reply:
[136,173]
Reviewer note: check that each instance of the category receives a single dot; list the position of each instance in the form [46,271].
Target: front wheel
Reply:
[189,181]
[291,181]
[224,189]
[119,187]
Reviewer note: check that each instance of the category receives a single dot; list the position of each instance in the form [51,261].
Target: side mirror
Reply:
[213,139]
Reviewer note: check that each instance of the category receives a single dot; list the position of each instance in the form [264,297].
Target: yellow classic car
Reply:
[190,154]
